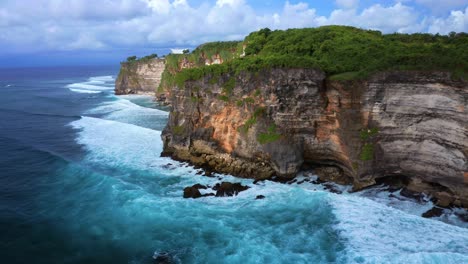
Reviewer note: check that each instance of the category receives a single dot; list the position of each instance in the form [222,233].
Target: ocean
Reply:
[82,181]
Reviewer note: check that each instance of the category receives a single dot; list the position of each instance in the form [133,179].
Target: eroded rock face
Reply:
[408,124]
[139,77]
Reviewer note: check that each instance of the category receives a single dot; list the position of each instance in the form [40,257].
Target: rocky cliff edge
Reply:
[139,76]
[408,127]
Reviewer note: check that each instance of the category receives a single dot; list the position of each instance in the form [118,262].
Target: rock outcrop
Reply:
[139,76]
[410,125]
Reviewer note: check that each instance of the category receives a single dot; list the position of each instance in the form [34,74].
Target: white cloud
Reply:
[396,18]
[347,4]
[457,21]
[442,6]
[92,24]
[160,6]
[231,3]
[85,41]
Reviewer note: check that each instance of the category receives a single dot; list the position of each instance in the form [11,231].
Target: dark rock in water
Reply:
[300,182]
[317,181]
[392,189]
[394,183]
[463,216]
[411,194]
[167,166]
[199,172]
[433,212]
[162,258]
[257,181]
[280,179]
[291,182]
[332,174]
[332,188]
[208,174]
[259,197]
[192,192]
[229,189]
[199,186]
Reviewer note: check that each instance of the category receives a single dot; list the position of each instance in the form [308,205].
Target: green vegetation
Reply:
[228,86]
[270,136]
[343,52]
[224,98]
[194,99]
[249,100]
[367,136]
[172,75]
[133,59]
[227,50]
[259,111]
[248,124]
[367,152]
[178,130]
[368,133]
[346,76]
[343,49]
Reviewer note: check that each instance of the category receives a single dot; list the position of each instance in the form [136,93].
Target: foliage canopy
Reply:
[342,52]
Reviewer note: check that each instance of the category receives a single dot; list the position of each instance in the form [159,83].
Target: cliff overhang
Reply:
[274,122]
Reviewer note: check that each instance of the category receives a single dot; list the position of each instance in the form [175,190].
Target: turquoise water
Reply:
[82,182]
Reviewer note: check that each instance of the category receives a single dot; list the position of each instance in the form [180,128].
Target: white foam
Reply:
[93,85]
[87,86]
[118,144]
[376,233]
[83,91]
[123,108]
[103,79]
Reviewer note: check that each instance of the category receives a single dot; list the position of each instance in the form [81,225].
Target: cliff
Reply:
[400,126]
[139,76]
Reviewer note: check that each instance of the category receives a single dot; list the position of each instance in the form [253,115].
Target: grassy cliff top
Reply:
[344,49]
[342,52]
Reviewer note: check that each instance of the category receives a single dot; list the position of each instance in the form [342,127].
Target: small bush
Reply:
[367,152]
[270,136]
[223,98]
[249,100]
[369,133]
[178,130]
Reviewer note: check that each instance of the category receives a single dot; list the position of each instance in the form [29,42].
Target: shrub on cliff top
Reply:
[340,49]
[343,52]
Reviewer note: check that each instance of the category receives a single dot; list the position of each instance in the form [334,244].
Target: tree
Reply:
[132,58]
[186,51]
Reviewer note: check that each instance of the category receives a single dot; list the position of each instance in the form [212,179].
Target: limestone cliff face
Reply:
[395,124]
[139,77]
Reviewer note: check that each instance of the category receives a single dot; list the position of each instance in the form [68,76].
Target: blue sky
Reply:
[81,32]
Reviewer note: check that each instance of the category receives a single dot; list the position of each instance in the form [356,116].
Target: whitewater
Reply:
[293,224]
[118,201]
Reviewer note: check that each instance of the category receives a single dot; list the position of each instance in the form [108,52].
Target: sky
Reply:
[104,32]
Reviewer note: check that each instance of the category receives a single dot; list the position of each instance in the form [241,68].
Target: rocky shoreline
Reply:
[394,190]
[352,132]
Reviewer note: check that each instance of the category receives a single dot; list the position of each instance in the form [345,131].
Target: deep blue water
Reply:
[81,181]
